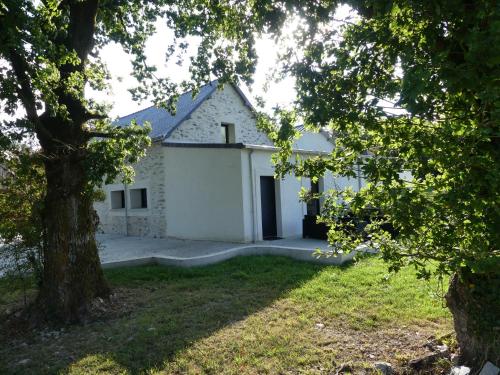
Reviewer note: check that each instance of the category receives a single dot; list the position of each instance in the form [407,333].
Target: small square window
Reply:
[138,198]
[118,199]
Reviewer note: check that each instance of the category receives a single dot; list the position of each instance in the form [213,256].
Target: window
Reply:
[138,198]
[227,133]
[313,204]
[118,199]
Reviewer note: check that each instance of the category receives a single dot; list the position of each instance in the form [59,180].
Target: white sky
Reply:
[120,67]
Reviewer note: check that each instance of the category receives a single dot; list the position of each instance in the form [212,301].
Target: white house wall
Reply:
[223,106]
[289,210]
[248,197]
[318,142]
[214,194]
[204,194]
[292,210]
[313,142]
[208,194]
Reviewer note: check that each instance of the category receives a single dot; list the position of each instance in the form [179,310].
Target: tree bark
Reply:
[72,276]
[474,301]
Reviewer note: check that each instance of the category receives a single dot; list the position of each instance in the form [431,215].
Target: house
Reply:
[208,175]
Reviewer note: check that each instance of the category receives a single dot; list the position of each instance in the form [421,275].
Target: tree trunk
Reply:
[72,276]
[474,301]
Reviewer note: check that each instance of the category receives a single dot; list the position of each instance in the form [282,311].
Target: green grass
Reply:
[245,316]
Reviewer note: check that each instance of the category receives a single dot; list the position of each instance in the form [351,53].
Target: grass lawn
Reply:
[249,315]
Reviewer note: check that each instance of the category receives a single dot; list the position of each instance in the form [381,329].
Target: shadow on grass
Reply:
[175,308]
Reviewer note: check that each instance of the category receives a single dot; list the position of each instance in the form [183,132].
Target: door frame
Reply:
[272,183]
[257,217]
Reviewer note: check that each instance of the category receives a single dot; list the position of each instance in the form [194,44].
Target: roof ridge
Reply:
[153,106]
[164,122]
[206,84]
[192,109]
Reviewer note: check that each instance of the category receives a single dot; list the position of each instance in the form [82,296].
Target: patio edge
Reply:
[306,255]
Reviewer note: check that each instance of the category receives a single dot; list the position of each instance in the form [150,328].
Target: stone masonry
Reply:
[224,106]
[148,222]
[203,126]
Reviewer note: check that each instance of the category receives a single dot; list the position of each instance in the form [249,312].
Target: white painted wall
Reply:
[204,194]
[289,210]
[313,142]
[318,142]
[214,194]
[292,210]
[209,194]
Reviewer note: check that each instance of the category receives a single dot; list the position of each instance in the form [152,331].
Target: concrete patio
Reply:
[118,251]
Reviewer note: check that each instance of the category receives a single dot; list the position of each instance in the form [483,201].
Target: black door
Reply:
[268,205]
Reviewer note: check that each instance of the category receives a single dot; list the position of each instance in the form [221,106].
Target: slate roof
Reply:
[163,123]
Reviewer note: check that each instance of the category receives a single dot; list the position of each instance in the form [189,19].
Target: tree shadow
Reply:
[206,300]
[174,309]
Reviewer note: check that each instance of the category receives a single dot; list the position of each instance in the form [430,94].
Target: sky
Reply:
[281,93]
[120,67]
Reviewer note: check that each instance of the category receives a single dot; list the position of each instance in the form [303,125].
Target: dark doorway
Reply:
[313,208]
[268,207]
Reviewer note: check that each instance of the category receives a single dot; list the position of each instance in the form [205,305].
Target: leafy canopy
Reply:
[49,59]
[414,85]
[50,56]
[410,91]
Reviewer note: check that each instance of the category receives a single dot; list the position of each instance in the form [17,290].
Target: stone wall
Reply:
[150,221]
[223,106]
[203,126]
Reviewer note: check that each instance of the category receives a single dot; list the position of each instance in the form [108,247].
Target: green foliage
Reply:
[113,156]
[411,94]
[280,128]
[51,52]
[409,90]
[21,230]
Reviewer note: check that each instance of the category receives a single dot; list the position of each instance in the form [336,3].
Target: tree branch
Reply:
[93,134]
[82,26]
[94,116]
[25,92]
[24,89]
